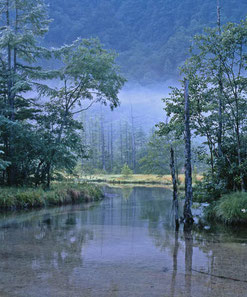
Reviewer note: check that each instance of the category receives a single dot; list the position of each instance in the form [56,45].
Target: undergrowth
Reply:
[58,194]
[229,209]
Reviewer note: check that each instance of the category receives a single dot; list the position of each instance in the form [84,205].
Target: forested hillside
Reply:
[151,36]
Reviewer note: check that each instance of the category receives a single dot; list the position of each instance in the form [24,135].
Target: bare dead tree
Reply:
[175,189]
[188,219]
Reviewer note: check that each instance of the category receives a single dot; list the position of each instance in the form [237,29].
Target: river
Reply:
[123,246]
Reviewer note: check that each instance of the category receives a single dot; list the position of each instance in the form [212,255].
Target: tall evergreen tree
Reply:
[23,23]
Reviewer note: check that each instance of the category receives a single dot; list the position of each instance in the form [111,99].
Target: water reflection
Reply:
[188,239]
[124,246]
[175,264]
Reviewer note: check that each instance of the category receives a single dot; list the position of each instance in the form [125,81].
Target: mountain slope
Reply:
[152,37]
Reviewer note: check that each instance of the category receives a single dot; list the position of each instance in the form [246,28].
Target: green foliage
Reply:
[89,73]
[37,136]
[157,155]
[3,164]
[210,189]
[216,72]
[230,209]
[126,171]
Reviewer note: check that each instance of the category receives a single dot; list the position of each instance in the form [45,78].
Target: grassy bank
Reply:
[59,194]
[230,209]
[133,179]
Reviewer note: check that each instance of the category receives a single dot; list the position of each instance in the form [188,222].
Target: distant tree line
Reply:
[110,145]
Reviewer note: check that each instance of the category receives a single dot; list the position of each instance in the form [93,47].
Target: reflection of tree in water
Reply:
[224,259]
[175,264]
[51,245]
[226,251]
[58,241]
[188,238]
[61,246]
[158,209]
[126,192]
[155,204]
[221,268]
[188,241]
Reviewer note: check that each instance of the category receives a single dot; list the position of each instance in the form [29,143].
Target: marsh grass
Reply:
[59,194]
[135,179]
[230,209]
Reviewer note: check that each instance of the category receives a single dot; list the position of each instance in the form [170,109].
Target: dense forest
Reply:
[51,79]
[152,37]
[39,132]
[49,76]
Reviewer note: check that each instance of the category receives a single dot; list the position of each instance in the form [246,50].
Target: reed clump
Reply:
[230,209]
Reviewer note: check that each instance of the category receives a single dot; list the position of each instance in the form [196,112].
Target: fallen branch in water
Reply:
[220,276]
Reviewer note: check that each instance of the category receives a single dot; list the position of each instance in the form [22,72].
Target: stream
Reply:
[123,246]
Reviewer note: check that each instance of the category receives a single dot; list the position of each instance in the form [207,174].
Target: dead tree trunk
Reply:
[111,148]
[175,189]
[133,142]
[188,219]
[102,142]
[121,145]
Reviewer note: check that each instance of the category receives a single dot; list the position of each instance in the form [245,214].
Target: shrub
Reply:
[210,189]
[126,171]
[230,209]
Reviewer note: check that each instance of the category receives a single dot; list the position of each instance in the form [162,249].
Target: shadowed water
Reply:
[123,246]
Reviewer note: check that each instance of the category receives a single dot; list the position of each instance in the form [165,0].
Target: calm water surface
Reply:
[122,247]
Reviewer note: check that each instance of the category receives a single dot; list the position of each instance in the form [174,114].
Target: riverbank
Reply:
[134,179]
[230,209]
[59,194]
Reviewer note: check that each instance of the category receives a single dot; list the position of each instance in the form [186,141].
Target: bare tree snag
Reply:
[175,188]
[188,219]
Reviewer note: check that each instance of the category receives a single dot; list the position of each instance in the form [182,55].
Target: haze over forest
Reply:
[151,37]
[125,121]
[69,49]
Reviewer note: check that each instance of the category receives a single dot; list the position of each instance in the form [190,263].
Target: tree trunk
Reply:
[112,156]
[175,189]
[239,157]
[121,144]
[188,219]
[133,142]
[127,144]
[220,95]
[176,166]
[10,169]
[102,143]
[48,175]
